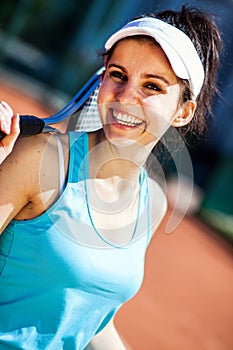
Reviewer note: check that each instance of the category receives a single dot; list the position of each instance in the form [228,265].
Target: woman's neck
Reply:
[118,158]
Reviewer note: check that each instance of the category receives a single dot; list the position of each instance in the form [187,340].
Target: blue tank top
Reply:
[59,288]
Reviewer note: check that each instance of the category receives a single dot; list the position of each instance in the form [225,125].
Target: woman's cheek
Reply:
[160,110]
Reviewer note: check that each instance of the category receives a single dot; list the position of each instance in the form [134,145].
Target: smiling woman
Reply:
[134,92]
[83,208]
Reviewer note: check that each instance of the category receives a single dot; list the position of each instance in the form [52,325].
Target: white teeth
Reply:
[126,119]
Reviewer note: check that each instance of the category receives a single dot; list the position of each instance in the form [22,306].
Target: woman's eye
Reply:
[154,87]
[118,75]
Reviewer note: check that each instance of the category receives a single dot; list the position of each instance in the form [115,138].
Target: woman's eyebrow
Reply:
[117,66]
[154,76]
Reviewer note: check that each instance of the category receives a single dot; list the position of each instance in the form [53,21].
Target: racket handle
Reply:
[29,125]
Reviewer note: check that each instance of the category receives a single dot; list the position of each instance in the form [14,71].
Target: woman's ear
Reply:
[185,114]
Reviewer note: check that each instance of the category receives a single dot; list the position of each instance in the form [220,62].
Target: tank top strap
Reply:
[145,216]
[78,164]
[60,164]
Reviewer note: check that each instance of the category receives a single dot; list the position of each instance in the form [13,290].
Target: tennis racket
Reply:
[81,111]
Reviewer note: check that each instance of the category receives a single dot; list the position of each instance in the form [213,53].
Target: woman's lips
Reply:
[125,119]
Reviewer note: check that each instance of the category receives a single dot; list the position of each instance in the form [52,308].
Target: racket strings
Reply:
[88,118]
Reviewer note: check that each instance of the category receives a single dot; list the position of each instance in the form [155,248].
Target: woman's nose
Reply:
[128,93]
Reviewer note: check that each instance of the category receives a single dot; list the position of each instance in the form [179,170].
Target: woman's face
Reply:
[139,94]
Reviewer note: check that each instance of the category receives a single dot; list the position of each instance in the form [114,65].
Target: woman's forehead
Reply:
[145,55]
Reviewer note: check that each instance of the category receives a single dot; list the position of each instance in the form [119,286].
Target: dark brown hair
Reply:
[205,35]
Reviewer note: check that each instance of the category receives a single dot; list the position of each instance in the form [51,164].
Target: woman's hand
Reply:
[9,124]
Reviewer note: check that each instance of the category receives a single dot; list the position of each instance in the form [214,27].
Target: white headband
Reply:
[177,46]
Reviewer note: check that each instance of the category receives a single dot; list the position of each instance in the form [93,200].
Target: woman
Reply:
[78,210]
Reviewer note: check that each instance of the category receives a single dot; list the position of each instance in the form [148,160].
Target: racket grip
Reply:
[29,125]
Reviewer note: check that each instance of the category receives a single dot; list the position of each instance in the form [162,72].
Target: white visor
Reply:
[177,46]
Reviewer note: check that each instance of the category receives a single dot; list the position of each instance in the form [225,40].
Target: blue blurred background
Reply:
[53,43]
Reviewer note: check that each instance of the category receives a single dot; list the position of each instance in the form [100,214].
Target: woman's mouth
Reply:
[126,119]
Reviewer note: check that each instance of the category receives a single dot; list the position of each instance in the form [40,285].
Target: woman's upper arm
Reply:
[17,180]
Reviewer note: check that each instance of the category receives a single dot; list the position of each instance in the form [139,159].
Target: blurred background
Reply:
[48,50]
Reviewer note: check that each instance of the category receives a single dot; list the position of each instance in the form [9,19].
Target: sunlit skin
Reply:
[140,85]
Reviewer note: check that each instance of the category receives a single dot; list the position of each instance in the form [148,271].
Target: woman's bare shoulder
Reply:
[32,148]
[31,165]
